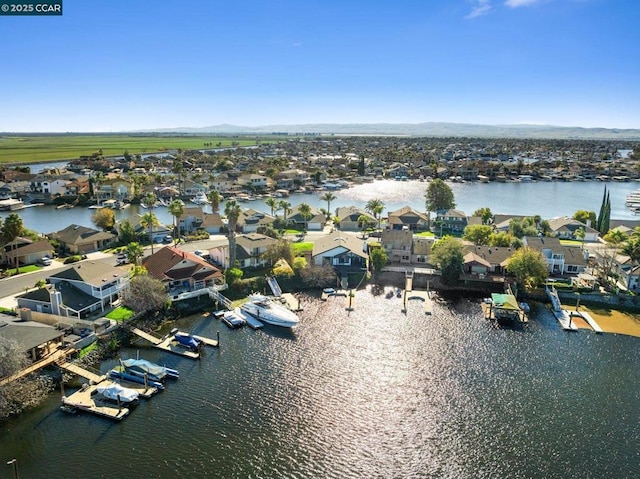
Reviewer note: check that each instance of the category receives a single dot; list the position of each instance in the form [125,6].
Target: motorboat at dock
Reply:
[155,372]
[268,311]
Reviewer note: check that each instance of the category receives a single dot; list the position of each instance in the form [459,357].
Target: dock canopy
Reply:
[505,301]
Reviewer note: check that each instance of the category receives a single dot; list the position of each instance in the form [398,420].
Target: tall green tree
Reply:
[285,206]
[149,200]
[328,197]
[11,229]
[305,211]
[479,235]
[439,196]
[604,217]
[271,203]
[176,208]
[375,206]
[149,221]
[361,168]
[134,253]
[447,255]
[587,217]
[215,198]
[126,233]
[529,267]
[378,258]
[485,214]
[232,211]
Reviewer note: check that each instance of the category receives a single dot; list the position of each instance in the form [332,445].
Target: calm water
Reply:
[547,199]
[371,393]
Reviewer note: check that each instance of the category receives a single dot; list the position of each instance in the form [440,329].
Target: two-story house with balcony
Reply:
[342,251]
[85,289]
[451,221]
[291,179]
[186,275]
[560,259]
[253,181]
[114,189]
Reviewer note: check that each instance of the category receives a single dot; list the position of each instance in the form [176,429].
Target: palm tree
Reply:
[273,204]
[305,211]
[12,228]
[149,200]
[285,206]
[375,207]
[134,253]
[363,223]
[176,208]
[232,211]
[149,220]
[215,198]
[328,197]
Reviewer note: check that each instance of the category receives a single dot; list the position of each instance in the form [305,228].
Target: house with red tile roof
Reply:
[185,274]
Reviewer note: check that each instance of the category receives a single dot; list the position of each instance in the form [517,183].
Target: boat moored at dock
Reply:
[270,312]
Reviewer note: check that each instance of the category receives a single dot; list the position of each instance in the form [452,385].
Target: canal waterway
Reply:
[369,393]
[547,199]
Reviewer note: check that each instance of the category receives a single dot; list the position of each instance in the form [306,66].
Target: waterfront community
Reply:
[260,219]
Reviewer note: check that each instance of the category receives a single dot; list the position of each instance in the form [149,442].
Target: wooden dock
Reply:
[72,368]
[54,357]
[168,343]
[291,302]
[84,400]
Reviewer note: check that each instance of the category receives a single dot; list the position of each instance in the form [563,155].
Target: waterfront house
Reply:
[451,221]
[342,251]
[291,179]
[191,219]
[253,181]
[560,259]
[25,251]
[114,188]
[35,339]
[407,217]
[348,218]
[250,220]
[79,291]
[315,222]
[77,239]
[76,187]
[401,246]
[185,274]
[565,228]
[486,259]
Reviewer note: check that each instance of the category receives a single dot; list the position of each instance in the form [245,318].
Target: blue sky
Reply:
[113,65]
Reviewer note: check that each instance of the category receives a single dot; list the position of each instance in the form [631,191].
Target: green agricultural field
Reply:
[40,148]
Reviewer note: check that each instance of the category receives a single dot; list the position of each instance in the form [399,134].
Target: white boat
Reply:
[268,311]
[200,199]
[115,392]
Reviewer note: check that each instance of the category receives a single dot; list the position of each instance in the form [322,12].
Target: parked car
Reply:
[167,239]
[45,261]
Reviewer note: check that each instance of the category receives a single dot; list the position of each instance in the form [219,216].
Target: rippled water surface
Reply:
[367,393]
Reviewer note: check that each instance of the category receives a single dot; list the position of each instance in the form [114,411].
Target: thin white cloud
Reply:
[520,3]
[482,7]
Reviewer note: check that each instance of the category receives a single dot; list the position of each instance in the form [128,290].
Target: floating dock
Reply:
[167,343]
[563,317]
[83,399]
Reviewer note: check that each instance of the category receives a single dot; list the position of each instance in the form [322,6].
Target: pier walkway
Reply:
[54,357]
[82,372]
[563,317]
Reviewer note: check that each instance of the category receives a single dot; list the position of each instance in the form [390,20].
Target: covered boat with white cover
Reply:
[115,392]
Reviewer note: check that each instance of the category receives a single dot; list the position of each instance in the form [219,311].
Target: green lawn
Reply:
[88,349]
[300,248]
[567,242]
[24,269]
[425,233]
[29,149]
[121,313]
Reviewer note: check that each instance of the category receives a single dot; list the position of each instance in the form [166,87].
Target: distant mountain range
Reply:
[434,129]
